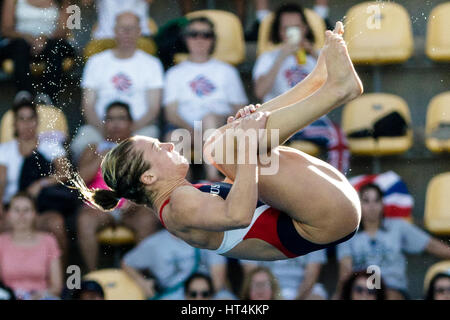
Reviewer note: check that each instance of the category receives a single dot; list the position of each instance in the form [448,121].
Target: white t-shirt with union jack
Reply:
[289,74]
[126,80]
[201,88]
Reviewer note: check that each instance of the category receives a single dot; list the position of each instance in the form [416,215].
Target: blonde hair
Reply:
[245,292]
[122,168]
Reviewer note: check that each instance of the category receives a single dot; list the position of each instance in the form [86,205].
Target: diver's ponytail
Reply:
[105,199]
[101,199]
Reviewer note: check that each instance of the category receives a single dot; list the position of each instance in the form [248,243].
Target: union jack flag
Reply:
[398,202]
[202,86]
[325,133]
[121,82]
[294,75]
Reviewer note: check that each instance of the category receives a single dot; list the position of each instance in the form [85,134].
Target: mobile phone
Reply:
[294,35]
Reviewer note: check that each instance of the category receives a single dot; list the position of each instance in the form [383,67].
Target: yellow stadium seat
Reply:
[50,119]
[437,205]
[440,267]
[378,33]
[230,43]
[438,40]
[118,235]
[98,45]
[362,112]
[305,146]
[438,113]
[317,24]
[116,284]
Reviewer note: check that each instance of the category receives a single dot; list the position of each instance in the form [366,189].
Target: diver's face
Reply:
[164,161]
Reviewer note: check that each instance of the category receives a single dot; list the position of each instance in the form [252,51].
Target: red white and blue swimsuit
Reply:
[268,224]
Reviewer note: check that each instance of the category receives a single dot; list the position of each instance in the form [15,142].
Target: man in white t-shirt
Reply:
[201,88]
[125,74]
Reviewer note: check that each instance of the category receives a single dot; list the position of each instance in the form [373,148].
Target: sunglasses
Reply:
[442,290]
[202,294]
[201,34]
[361,290]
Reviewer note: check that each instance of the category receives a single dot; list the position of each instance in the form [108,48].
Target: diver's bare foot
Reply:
[342,77]
[320,70]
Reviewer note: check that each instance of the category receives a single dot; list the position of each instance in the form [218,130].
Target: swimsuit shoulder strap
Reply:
[161,210]
[198,186]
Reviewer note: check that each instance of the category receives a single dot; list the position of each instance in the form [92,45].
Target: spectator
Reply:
[30,261]
[356,288]
[89,290]
[439,287]
[201,88]
[107,11]
[382,242]
[26,165]
[277,71]
[262,9]
[260,284]
[297,277]
[36,32]
[140,219]
[198,286]
[124,73]
[172,261]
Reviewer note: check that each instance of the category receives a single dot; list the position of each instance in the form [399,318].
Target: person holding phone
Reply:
[277,71]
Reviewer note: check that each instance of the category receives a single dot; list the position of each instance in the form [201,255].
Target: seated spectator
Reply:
[35,164]
[171,261]
[201,88]
[439,287]
[198,286]
[36,32]
[262,9]
[277,71]
[124,73]
[383,242]
[140,219]
[356,288]
[260,284]
[107,11]
[30,261]
[297,277]
[89,290]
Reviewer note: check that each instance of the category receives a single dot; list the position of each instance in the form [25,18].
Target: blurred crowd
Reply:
[130,88]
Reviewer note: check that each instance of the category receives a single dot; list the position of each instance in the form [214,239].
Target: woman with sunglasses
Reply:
[201,88]
[198,286]
[306,204]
